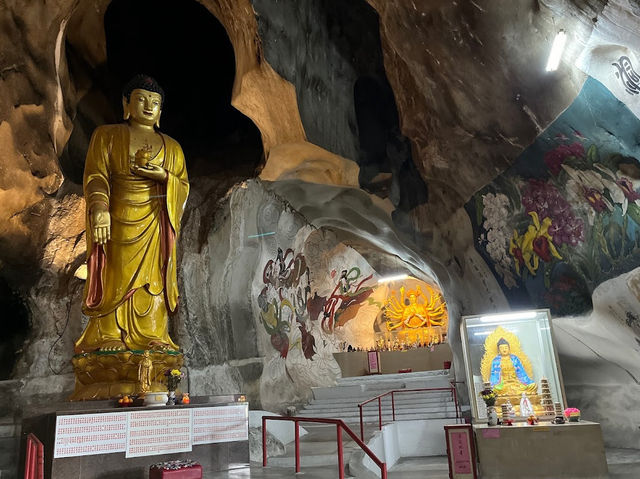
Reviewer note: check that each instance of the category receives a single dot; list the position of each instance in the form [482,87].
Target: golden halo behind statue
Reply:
[491,351]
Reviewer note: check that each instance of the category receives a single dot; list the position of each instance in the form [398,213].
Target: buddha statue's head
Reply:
[142,100]
[503,347]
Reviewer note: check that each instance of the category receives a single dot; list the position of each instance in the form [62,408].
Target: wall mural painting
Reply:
[566,215]
[348,294]
[284,300]
[288,307]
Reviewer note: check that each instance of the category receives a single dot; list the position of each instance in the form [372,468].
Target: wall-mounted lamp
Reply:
[556,51]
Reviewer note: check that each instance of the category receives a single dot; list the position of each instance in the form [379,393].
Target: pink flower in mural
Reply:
[568,229]
[627,189]
[588,187]
[545,200]
[595,199]
[556,157]
[626,185]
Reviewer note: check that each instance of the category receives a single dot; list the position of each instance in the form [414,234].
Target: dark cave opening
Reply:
[187,50]
[332,52]
[16,328]
[386,164]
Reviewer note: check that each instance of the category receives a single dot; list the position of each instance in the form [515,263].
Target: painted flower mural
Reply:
[566,215]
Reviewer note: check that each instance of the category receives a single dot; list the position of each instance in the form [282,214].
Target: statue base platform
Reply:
[109,374]
[535,400]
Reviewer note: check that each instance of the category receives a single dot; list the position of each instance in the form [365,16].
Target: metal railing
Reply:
[452,390]
[340,426]
[454,384]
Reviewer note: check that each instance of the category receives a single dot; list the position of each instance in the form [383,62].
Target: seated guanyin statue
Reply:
[508,369]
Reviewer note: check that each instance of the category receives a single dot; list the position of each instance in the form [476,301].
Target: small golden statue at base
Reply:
[136,187]
[145,370]
[508,370]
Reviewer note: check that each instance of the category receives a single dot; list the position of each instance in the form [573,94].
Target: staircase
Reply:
[319,448]
[341,401]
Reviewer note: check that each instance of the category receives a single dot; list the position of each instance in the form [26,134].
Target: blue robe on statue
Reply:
[496,371]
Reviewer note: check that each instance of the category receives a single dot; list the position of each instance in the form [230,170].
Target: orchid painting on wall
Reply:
[566,215]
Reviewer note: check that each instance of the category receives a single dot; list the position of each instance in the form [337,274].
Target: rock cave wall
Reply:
[269,270]
[330,50]
[469,98]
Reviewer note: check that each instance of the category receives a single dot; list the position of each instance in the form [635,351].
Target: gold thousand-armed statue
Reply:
[136,187]
[424,321]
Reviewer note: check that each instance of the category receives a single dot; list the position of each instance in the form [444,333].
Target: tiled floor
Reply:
[623,464]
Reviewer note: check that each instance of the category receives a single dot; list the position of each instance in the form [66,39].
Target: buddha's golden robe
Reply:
[132,282]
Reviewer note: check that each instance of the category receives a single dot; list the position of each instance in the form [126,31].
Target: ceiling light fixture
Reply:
[397,277]
[507,316]
[556,51]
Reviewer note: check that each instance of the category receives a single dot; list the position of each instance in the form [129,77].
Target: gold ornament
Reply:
[107,375]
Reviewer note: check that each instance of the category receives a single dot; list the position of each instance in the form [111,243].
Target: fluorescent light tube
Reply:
[556,51]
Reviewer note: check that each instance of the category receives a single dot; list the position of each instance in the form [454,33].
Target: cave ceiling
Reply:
[431,99]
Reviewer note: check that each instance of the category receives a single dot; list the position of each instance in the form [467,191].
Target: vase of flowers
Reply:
[489,397]
[572,414]
[174,376]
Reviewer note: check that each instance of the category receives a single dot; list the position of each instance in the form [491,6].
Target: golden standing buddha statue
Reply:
[136,187]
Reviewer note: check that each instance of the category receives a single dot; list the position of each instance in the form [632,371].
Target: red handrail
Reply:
[340,425]
[452,390]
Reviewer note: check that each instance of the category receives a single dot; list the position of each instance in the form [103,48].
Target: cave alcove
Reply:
[187,50]
[15,329]
[386,163]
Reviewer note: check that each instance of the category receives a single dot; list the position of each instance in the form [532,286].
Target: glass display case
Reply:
[514,355]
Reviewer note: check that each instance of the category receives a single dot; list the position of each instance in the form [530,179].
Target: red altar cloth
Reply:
[190,472]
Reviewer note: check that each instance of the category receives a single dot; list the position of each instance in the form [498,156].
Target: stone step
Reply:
[409,402]
[432,467]
[418,375]
[387,418]
[362,394]
[340,411]
[400,396]
[318,447]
